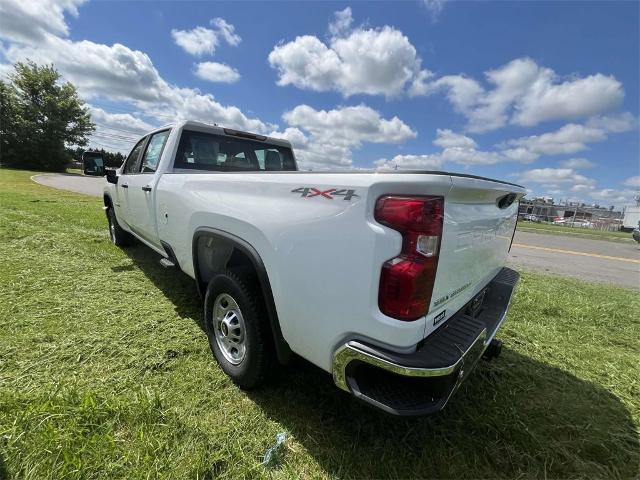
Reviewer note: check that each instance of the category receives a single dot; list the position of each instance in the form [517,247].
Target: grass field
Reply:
[579,232]
[105,372]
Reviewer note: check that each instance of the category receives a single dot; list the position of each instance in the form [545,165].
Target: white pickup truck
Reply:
[395,282]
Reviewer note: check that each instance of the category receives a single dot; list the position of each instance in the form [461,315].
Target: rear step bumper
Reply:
[423,381]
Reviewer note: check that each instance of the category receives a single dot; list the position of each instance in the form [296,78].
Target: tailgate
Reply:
[476,236]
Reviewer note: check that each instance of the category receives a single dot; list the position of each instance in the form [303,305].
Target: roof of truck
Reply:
[213,128]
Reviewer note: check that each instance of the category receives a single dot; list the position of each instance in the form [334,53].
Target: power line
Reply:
[115,136]
[106,146]
[116,128]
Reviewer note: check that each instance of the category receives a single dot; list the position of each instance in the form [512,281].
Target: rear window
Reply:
[208,151]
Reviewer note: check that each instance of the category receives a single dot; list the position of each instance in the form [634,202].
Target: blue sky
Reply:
[544,93]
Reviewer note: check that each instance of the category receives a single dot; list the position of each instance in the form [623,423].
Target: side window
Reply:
[133,160]
[152,155]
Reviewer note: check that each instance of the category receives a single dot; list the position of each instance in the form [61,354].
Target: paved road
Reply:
[595,260]
[74,183]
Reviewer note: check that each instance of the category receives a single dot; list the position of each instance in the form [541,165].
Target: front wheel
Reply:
[238,330]
[118,236]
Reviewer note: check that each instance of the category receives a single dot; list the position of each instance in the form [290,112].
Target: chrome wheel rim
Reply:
[229,328]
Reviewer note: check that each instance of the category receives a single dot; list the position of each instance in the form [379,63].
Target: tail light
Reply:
[406,281]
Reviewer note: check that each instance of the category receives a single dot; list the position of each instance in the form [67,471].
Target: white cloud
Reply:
[349,126]
[325,139]
[448,139]
[519,154]
[615,123]
[312,154]
[372,61]
[471,156]
[420,84]
[28,21]
[456,148]
[554,176]
[434,7]
[201,40]
[573,98]
[124,122]
[197,41]
[411,162]
[615,196]
[632,182]
[527,94]
[226,31]
[217,72]
[577,163]
[572,137]
[567,183]
[342,20]
[116,72]
[464,150]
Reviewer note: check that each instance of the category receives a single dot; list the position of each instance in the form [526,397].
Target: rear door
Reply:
[480,217]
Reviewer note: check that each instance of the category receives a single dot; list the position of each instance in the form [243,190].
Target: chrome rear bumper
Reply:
[423,381]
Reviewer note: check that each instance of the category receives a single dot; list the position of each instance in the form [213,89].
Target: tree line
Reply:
[44,124]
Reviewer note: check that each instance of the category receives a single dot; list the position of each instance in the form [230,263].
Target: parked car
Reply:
[636,234]
[93,163]
[579,223]
[393,282]
[531,218]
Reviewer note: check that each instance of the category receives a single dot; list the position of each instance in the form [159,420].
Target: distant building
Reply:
[546,210]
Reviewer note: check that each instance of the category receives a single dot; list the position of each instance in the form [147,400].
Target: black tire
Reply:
[118,236]
[258,359]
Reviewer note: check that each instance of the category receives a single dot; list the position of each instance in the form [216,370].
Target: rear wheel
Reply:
[238,330]
[118,236]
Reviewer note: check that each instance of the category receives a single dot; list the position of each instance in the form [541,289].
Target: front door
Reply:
[141,189]
[130,168]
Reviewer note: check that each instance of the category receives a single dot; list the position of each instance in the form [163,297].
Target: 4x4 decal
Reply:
[310,192]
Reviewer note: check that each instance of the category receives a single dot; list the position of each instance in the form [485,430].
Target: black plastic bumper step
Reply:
[422,381]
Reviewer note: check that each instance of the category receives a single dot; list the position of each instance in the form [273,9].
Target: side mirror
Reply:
[112,176]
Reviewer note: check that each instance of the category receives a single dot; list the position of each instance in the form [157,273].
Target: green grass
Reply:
[105,372]
[552,229]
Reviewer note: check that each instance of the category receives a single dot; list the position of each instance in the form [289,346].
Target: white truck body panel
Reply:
[323,256]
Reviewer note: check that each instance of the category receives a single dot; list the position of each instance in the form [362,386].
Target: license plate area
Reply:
[474,307]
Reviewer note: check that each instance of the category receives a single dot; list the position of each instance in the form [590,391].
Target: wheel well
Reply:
[107,201]
[215,252]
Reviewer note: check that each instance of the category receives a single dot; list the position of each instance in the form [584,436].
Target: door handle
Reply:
[146,188]
[125,185]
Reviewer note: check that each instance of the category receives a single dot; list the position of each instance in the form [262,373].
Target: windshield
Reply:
[208,151]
